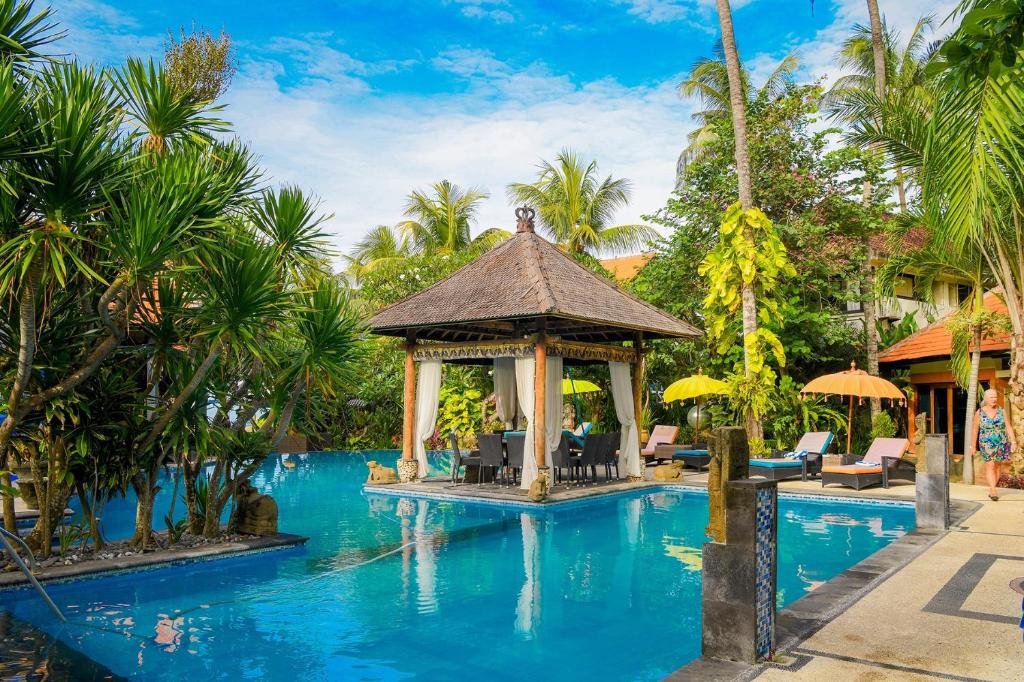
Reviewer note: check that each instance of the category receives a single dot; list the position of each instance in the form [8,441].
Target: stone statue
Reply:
[539,488]
[381,474]
[257,514]
[669,472]
[920,429]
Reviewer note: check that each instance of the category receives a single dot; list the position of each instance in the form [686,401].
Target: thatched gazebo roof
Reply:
[524,286]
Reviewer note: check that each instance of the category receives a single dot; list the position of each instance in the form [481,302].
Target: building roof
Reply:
[522,286]
[625,268]
[935,341]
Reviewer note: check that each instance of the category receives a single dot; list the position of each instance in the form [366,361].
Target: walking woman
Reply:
[994,437]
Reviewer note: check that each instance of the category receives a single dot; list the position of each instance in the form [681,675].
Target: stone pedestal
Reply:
[932,486]
[738,592]
[407,470]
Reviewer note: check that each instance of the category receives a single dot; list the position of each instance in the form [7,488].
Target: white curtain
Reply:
[552,406]
[622,393]
[426,561]
[428,392]
[505,390]
[524,388]
[528,605]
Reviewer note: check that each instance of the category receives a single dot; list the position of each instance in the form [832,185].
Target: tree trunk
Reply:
[26,354]
[972,406]
[197,378]
[1016,388]
[191,472]
[871,347]
[146,490]
[211,524]
[737,104]
[87,510]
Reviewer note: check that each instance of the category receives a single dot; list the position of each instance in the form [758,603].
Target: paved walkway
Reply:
[948,614]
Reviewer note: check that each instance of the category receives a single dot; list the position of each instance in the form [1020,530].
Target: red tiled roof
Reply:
[625,268]
[935,340]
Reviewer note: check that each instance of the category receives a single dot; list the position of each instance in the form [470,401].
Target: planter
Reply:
[25,485]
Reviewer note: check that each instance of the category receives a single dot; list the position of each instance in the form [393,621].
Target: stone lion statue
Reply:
[669,472]
[539,488]
[257,514]
[381,474]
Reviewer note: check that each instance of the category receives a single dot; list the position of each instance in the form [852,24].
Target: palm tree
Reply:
[440,222]
[737,107]
[708,81]
[970,324]
[576,208]
[968,159]
[381,246]
[905,77]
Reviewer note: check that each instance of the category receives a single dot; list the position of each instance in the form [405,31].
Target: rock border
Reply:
[153,560]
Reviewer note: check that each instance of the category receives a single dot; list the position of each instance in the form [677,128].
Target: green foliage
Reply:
[459,411]
[199,65]
[70,532]
[882,426]
[175,529]
[894,333]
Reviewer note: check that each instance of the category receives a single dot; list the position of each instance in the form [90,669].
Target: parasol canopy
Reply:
[694,387]
[855,383]
[573,386]
[691,387]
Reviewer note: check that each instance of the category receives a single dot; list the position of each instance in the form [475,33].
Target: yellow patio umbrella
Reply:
[695,386]
[855,383]
[573,386]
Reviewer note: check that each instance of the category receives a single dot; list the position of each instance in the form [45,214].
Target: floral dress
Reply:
[993,441]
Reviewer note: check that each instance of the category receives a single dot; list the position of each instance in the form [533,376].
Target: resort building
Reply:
[925,356]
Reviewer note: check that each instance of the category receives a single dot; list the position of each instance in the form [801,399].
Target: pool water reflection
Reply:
[393,588]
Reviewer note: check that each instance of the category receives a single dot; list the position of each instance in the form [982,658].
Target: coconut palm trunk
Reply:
[972,405]
[746,193]
[870,311]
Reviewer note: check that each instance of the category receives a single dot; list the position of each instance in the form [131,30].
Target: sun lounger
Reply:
[881,463]
[803,461]
[696,455]
[662,435]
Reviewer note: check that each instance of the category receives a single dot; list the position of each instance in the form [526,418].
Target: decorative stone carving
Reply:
[920,428]
[257,514]
[730,461]
[381,474]
[539,488]
[407,470]
[669,472]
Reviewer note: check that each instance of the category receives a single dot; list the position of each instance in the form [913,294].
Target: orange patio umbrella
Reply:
[855,383]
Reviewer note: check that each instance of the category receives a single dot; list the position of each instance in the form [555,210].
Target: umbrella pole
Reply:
[696,430]
[849,429]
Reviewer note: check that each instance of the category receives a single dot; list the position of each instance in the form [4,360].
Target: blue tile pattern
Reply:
[765,545]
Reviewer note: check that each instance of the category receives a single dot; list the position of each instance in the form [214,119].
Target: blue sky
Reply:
[360,102]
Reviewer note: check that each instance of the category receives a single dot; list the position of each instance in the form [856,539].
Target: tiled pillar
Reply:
[932,485]
[738,593]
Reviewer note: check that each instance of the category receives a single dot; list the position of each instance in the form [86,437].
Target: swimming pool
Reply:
[391,588]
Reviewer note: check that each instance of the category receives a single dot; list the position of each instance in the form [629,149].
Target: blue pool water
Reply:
[391,588]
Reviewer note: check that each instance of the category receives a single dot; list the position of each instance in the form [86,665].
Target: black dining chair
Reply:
[593,445]
[514,447]
[459,460]
[562,459]
[491,455]
[610,454]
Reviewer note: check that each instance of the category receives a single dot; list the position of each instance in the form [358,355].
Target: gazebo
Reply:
[529,309]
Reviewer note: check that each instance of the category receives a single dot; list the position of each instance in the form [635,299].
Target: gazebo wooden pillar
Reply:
[407,467]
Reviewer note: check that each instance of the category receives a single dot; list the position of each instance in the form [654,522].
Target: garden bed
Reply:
[119,556]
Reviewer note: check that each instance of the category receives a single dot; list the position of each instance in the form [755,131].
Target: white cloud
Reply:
[486,9]
[659,11]
[364,157]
